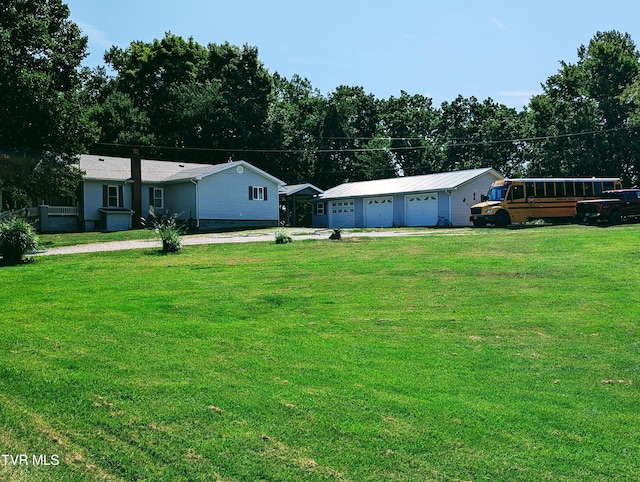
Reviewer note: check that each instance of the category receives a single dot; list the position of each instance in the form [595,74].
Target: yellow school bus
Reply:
[519,200]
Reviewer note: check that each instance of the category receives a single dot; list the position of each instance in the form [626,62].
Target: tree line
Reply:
[176,99]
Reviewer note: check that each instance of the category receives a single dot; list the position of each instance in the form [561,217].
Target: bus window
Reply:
[560,189]
[497,193]
[516,192]
[528,190]
[570,189]
[540,189]
[608,186]
[549,188]
[579,189]
[597,188]
[588,189]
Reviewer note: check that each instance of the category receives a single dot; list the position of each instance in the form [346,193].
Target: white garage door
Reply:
[421,209]
[341,214]
[378,212]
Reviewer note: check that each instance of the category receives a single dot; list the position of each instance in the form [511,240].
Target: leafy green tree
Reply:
[296,111]
[213,97]
[119,120]
[42,121]
[351,120]
[584,115]
[480,134]
[410,123]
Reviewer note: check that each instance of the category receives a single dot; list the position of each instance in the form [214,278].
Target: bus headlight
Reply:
[489,211]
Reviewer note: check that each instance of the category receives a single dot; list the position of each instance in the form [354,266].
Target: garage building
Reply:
[441,199]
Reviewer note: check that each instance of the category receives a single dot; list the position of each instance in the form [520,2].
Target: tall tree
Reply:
[120,121]
[351,121]
[480,134]
[213,97]
[296,111]
[42,122]
[583,114]
[410,123]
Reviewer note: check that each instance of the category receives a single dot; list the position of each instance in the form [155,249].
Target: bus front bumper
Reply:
[481,218]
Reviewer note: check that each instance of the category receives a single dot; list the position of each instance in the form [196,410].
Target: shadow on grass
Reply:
[6,263]
[160,252]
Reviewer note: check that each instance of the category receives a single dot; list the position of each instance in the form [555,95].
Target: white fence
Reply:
[63,211]
[48,219]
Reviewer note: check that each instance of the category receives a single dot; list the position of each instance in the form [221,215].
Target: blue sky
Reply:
[503,49]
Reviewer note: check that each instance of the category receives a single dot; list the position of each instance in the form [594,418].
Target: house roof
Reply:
[443,181]
[105,168]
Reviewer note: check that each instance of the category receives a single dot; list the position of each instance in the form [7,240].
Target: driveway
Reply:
[245,237]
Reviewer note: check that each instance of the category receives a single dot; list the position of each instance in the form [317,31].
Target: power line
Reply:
[446,143]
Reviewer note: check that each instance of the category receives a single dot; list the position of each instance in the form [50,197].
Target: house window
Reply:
[112,196]
[320,209]
[257,193]
[158,198]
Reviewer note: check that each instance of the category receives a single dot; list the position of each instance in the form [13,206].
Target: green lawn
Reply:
[495,355]
[73,239]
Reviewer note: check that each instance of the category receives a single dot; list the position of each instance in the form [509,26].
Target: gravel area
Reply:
[240,237]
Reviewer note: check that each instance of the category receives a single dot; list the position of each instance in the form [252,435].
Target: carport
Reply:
[295,204]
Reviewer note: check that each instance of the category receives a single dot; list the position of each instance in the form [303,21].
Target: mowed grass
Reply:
[72,239]
[484,355]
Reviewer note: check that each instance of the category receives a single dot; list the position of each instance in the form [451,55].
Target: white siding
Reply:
[463,198]
[92,201]
[225,196]
[180,199]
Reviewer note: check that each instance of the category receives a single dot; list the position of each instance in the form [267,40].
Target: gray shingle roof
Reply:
[405,185]
[105,168]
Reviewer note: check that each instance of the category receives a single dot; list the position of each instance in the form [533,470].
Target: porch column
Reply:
[136,193]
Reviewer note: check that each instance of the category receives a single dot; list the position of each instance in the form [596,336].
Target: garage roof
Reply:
[444,181]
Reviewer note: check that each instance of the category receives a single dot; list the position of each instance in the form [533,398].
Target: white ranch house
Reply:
[209,196]
[116,192]
[441,199]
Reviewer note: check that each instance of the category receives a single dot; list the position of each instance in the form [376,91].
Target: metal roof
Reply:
[288,190]
[443,181]
[105,168]
[563,179]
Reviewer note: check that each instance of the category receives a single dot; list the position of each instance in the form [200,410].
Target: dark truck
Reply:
[612,207]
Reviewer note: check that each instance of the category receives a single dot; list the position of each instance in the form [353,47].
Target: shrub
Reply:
[283,238]
[167,229]
[17,238]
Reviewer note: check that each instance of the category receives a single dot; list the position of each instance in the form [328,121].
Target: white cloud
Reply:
[96,36]
[498,23]
[519,93]
[517,98]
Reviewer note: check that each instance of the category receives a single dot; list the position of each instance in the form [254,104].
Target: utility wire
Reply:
[447,143]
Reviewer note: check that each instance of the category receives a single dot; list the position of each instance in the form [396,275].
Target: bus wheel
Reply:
[479,223]
[502,219]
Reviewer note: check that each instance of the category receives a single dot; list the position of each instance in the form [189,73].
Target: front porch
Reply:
[48,219]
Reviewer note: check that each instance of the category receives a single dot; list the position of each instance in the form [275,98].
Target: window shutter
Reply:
[120,196]
[105,196]
[265,193]
[250,193]
[152,200]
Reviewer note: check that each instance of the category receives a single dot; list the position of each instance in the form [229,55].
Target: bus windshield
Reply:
[497,193]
